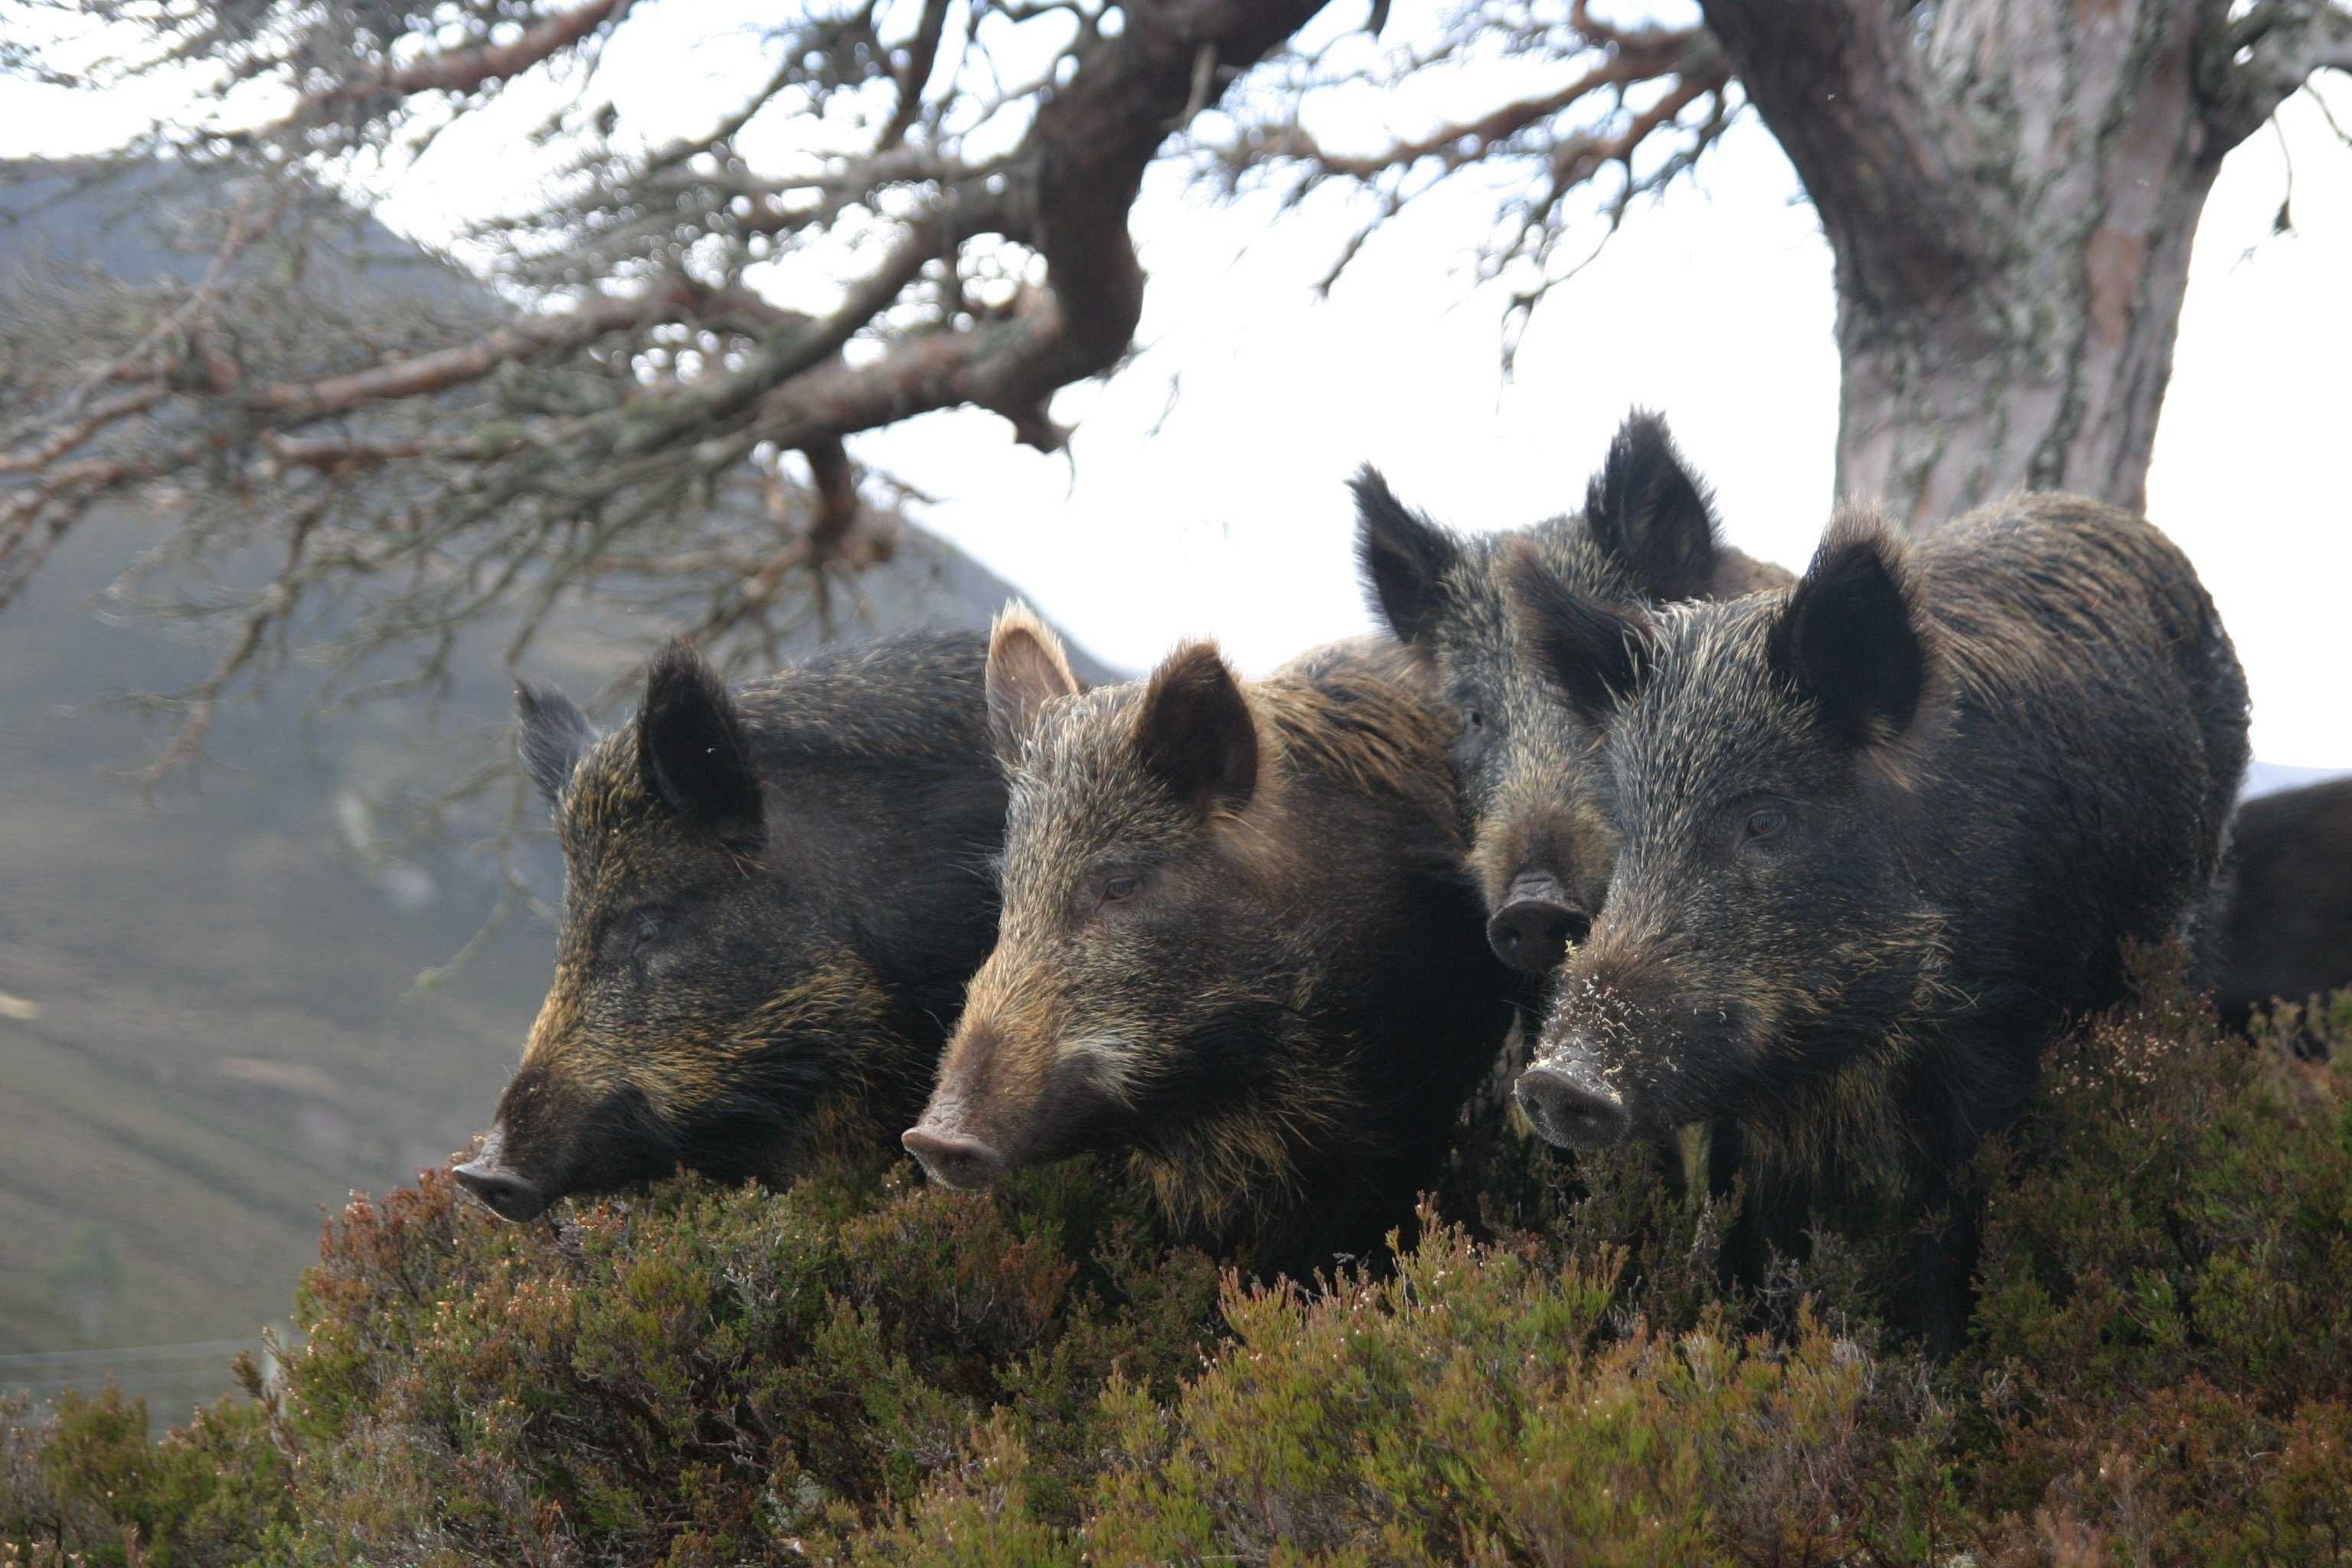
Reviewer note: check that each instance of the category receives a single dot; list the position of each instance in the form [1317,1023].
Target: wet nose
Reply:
[1532,929]
[507,1194]
[1570,1106]
[953,1159]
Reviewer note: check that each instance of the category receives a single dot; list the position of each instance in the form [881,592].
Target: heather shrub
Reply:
[705,1375]
[861,1369]
[1477,1405]
[88,1483]
[2161,1360]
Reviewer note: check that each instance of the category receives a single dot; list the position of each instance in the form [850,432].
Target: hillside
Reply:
[863,1369]
[209,1027]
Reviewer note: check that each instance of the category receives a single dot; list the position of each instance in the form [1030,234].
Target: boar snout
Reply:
[505,1192]
[1570,1104]
[1536,923]
[952,1157]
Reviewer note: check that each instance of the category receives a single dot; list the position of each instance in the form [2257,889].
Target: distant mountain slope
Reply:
[208,1025]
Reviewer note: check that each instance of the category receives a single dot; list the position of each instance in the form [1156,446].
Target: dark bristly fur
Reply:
[774,899]
[2288,934]
[1237,948]
[1880,835]
[1646,536]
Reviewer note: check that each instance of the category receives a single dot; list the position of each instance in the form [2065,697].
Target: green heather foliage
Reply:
[90,1484]
[864,1370]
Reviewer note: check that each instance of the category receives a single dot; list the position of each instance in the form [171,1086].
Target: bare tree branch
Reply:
[466,70]
[2268,55]
[1646,101]
[299,403]
[922,53]
[439,465]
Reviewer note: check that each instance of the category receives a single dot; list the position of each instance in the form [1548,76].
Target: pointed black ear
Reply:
[550,737]
[1596,655]
[1649,512]
[1403,557]
[1851,637]
[1027,668]
[1195,732]
[691,750]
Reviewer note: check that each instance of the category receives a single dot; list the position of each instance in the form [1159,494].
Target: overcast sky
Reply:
[1226,514]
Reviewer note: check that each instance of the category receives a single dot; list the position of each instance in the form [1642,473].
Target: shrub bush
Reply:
[88,1484]
[864,1370]
[2160,1366]
[707,1376]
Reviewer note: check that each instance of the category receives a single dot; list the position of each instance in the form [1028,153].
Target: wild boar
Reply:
[774,899]
[1880,835]
[1237,947]
[1541,844]
[2288,934]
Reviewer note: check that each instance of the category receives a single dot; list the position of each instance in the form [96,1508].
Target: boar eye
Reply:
[1765,822]
[1116,885]
[1120,886]
[1476,734]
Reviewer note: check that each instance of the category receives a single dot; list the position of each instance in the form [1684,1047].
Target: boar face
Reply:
[1542,847]
[1762,941]
[1140,907]
[709,993]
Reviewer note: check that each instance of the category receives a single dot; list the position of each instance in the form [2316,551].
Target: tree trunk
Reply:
[2011,188]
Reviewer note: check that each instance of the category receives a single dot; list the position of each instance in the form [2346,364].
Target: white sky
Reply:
[1715,307]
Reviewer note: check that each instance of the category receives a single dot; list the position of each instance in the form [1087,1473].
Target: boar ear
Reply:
[1595,653]
[1196,731]
[1403,557]
[550,737]
[692,754]
[1026,669]
[1650,513]
[1851,637]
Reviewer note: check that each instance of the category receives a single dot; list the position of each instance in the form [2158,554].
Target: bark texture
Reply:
[2010,189]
